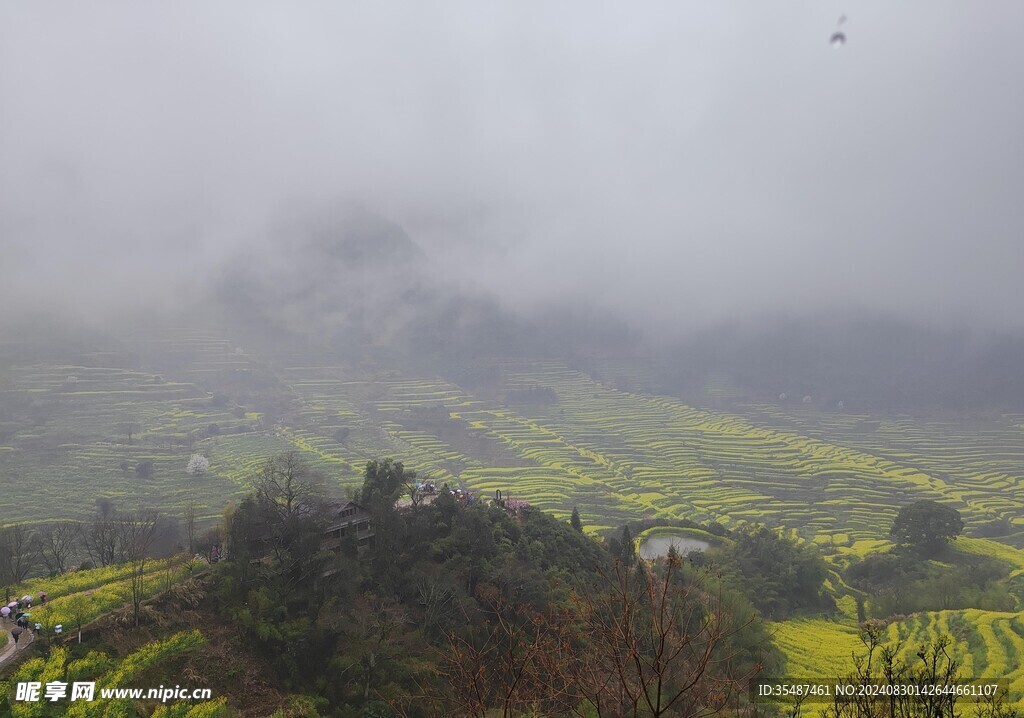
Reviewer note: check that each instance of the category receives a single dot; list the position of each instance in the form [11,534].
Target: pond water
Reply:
[658,545]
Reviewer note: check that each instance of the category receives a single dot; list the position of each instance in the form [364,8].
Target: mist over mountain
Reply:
[861,363]
[707,191]
[341,272]
[352,281]
[341,280]
[357,281]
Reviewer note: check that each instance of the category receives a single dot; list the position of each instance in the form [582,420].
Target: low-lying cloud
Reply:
[681,164]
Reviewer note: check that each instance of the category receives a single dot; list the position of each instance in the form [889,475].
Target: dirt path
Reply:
[11,648]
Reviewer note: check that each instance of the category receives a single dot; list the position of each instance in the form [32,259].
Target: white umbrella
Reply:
[26,599]
[5,611]
[12,604]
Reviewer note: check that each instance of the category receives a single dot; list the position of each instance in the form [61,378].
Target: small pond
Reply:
[656,546]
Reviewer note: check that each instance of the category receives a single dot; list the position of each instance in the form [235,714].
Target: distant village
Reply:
[347,518]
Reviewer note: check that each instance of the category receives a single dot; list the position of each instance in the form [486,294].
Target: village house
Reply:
[348,519]
[347,523]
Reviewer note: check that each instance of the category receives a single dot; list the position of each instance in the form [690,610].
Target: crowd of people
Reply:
[18,612]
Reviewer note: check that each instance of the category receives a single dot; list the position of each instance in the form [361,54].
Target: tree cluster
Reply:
[532,395]
[465,610]
[927,527]
[900,583]
[780,575]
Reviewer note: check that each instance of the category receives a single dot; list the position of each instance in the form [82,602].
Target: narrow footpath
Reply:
[9,650]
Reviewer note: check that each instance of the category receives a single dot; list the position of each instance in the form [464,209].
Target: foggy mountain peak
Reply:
[353,235]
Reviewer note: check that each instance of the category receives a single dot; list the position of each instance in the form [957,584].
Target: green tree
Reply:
[384,482]
[780,574]
[927,526]
[575,520]
[628,550]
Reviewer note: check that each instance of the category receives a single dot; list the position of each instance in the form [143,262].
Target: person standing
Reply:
[16,634]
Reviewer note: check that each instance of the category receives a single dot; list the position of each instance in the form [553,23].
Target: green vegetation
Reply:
[927,526]
[900,583]
[107,673]
[780,575]
[575,521]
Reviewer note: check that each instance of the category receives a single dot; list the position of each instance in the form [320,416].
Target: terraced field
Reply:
[108,674]
[621,455]
[613,453]
[976,463]
[80,440]
[643,454]
[71,433]
[988,644]
[87,595]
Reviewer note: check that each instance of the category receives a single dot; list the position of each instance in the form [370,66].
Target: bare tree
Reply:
[287,492]
[287,486]
[170,572]
[190,527]
[651,642]
[139,532]
[130,427]
[57,543]
[16,556]
[413,487]
[439,604]
[102,536]
[884,665]
[498,667]
[285,521]
[658,645]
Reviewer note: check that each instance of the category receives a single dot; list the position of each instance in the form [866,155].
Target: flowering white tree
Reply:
[198,464]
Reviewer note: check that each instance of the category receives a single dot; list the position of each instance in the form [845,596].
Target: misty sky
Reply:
[676,161]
